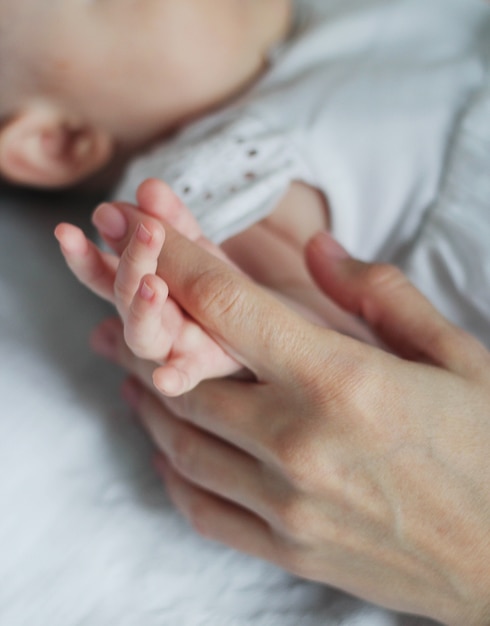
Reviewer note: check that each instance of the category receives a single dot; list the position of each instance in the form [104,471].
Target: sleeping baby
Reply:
[270,120]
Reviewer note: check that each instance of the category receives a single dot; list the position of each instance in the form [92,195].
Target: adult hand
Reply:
[342,463]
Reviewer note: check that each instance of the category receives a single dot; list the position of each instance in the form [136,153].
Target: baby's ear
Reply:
[41,148]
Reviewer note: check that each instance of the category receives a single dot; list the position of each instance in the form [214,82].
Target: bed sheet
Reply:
[87,534]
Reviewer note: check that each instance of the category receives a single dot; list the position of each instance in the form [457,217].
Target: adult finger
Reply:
[203,459]
[157,199]
[254,327]
[216,406]
[237,411]
[217,519]
[399,314]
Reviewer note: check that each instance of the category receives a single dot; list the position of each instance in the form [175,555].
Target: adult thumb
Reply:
[392,306]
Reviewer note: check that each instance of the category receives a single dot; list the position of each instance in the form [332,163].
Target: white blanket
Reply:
[87,535]
[384,107]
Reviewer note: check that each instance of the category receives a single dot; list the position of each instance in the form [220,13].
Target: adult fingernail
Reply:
[132,392]
[110,221]
[330,247]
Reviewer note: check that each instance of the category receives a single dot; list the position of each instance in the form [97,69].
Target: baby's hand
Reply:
[155,326]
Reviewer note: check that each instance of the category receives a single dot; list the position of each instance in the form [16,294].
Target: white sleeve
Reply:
[450,260]
[230,174]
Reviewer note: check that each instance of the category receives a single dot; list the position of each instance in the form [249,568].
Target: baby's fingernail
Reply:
[171,382]
[146,292]
[110,221]
[132,393]
[143,234]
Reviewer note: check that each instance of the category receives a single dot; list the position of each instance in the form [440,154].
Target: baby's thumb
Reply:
[381,294]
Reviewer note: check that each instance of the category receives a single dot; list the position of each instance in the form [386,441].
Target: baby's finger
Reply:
[139,258]
[145,332]
[95,269]
[117,221]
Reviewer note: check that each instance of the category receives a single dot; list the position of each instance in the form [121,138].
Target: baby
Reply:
[271,119]
[87,83]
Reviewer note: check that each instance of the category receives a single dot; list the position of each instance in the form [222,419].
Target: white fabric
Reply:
[362,102]
[87,535]
[450,259]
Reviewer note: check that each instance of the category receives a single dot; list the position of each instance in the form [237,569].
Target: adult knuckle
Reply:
[216,294]
[367,410]
[323,387]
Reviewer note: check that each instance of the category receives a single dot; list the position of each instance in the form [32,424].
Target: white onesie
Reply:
[383,105]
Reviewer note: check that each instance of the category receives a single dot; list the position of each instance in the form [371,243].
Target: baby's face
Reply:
[138,67]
